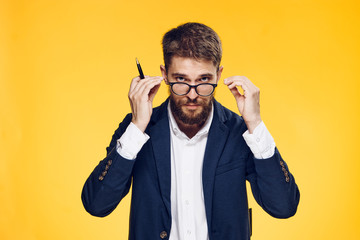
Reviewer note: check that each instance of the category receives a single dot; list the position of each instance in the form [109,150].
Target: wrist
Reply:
[251,125]
[140,126]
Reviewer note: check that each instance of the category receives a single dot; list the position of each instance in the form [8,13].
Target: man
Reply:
[189,158]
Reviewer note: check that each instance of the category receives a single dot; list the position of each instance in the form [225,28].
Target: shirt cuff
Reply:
[131,142]
[260,142]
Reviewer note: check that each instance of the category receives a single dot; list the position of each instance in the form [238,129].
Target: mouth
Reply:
[192,106]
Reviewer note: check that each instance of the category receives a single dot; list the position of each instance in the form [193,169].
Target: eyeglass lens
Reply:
[202,89]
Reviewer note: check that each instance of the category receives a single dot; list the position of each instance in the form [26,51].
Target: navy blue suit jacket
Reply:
[228,163]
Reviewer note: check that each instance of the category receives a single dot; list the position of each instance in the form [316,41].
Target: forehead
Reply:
[191,66]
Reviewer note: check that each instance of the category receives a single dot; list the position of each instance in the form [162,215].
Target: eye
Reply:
[180,79]
[204,79]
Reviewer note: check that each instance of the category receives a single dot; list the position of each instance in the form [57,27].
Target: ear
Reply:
[163,72]
[219,73]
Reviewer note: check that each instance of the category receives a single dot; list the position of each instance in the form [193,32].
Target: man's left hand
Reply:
[249,102]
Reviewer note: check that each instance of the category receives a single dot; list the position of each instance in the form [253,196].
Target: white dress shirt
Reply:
[187,198]
[187,155]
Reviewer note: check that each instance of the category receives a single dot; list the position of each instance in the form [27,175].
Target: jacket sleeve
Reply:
[110,181]
[273,186]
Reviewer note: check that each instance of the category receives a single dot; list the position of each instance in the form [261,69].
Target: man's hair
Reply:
[192,40]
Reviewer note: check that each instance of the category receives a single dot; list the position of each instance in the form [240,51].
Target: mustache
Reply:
[195,101]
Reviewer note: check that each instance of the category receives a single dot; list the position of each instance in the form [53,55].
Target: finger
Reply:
[147,89]
[234,83]
[243,79]
[134,89]
[251,88]
[153,92]
[134,82]
[239,98]
[243,82]
[249,83]
[236,93]
[144,89]
[231,79]
[141,83]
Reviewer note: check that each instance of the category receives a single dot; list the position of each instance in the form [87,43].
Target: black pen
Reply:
[140,70]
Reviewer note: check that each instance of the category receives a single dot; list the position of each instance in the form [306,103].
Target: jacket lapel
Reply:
[160,140]
[215,144]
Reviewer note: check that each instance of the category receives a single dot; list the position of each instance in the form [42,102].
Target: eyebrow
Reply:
[209,75]
[178,75]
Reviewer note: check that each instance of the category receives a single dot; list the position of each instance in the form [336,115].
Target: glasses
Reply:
[202,89]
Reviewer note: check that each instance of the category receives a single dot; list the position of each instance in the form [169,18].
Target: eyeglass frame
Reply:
[214,85]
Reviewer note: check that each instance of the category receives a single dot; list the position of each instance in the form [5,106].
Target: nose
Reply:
[192,94]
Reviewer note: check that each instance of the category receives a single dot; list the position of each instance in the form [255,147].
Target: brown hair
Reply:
[193,40]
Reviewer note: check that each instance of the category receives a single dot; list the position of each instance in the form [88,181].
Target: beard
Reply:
[192,117]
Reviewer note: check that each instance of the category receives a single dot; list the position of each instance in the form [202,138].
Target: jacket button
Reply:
[104,173]
[101,178]
[163,235]
[109,162]
[281,163]
[287,179]
[106,167]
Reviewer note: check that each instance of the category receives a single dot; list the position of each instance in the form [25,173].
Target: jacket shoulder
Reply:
[228,117]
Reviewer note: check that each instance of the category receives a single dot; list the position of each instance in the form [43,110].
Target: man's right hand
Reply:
[141,96]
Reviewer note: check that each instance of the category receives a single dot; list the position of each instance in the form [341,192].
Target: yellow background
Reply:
[65,69]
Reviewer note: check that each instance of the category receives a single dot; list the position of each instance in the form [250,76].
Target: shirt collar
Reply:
[176,130]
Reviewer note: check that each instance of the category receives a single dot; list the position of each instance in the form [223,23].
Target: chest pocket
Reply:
[238,163]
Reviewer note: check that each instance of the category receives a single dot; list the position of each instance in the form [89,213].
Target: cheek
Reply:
[204,101]
[178,100]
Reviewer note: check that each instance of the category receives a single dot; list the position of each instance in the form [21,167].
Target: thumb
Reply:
[153,92]
[236,93]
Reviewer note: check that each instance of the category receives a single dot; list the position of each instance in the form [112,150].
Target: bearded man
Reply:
[188,160]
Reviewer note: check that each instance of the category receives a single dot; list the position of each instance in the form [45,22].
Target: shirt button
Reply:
[187,202]
[163,234]
[188,232]
[258,139]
